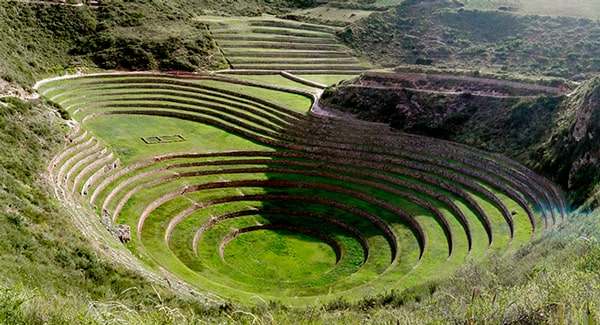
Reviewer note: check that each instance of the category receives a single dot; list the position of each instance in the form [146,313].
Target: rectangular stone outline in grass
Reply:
[163,139]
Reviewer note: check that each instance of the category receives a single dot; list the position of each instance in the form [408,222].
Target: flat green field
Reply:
[573,8]
[126,139]
[334,14]
[279,255]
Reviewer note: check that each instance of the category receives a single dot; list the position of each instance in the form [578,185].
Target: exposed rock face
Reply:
[584,114]
[123,233]
[12,90]
[581,132]
[572,154]
[587,159]
[584,134]
[105,218]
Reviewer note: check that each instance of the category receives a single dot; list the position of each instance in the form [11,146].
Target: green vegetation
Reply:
[35,41]
[43,39]
[271,44]
[443,33]
[551,280]
[276,256]
[253,210]
[49,272]
[391,223]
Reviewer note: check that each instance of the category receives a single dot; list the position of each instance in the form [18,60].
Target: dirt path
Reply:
[446,92]
[456,85]
[10,90]
[55,3]
[415,77]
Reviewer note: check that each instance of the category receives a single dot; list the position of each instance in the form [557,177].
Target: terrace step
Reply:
[257,61]
[289,32]
[287,54]
[279,46]
[101,172]
[83,150]
[266,39]
[101,159]
[301,67]
[287,24]
[226,39]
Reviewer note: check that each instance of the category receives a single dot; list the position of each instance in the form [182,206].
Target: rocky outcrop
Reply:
[572,153]
[123,233]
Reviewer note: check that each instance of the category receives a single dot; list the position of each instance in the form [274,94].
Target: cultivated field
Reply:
[573,8]
[341,13]
[272,45]
[233,186]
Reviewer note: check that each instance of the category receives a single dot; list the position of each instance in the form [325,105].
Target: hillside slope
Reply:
[548,131]
[36,42]
[484,113]
[49,273]
[571,153]
[443,33]
[40,39]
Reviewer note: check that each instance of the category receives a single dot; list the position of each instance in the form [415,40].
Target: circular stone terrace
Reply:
[234,187]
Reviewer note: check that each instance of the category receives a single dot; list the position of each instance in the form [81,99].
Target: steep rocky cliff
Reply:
[572,153]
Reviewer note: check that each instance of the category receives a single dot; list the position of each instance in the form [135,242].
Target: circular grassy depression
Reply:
[280,255]
[260,199]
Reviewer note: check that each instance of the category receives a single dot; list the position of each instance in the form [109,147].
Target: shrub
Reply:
[11,302]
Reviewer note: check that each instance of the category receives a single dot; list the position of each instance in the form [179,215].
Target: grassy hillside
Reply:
[50,274]
[35,41]
[44,39]
[444,33]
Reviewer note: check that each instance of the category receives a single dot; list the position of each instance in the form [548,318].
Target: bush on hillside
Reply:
[110,51]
